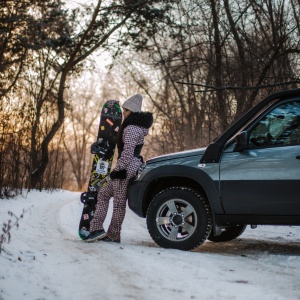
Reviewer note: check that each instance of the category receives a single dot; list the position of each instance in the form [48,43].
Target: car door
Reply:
[265,178]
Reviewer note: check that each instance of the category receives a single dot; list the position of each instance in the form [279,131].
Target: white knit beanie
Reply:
[134,103]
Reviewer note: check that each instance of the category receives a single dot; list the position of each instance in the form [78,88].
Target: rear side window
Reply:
[279,127]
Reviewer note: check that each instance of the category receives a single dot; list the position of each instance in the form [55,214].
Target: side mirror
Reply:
[241,141]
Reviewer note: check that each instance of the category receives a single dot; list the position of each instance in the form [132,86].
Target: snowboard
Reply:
[103,150]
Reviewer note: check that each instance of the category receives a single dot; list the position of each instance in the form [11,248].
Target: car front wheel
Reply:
[179,218]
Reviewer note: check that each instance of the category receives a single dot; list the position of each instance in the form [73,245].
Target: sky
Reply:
[45,259]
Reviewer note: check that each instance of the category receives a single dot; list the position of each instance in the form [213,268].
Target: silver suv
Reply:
[250,175]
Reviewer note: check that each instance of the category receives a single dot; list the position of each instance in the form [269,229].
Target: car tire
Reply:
[179,218]
[228,233]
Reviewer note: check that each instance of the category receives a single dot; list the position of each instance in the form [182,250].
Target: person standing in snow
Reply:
[130,141]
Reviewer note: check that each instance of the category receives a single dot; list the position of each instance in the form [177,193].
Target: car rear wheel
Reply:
[179,218]
[228,233]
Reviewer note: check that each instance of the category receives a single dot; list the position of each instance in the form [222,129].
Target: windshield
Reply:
[232,139]
[278,127]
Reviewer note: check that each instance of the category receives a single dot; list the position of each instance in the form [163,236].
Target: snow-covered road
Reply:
[46,260]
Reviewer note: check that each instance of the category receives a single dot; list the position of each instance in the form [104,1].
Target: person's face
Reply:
[126,112]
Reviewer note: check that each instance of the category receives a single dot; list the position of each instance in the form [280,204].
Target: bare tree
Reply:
[101,23]
[25,26]
[81,127]
[44,45]
[201,65]
[214,62]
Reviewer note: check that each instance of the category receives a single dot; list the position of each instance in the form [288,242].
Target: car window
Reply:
[279,127]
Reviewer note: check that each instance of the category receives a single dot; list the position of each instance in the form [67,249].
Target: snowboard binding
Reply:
[102,149]
[89,198]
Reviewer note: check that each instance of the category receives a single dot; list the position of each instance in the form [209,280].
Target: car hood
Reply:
[176,155]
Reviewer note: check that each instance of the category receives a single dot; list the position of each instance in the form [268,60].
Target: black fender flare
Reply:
[197,175]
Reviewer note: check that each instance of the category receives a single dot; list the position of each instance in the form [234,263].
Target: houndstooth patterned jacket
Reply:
[132,136]
[133,130]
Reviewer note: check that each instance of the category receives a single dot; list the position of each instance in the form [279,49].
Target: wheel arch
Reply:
[164,177]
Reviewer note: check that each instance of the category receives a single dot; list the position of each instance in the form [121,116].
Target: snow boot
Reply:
[96,235]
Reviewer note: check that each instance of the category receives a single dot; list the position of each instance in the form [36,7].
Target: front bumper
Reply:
[136,194]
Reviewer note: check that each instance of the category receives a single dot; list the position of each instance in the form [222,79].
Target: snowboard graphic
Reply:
[103,150]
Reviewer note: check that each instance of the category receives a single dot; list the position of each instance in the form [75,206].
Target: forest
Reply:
[199,65]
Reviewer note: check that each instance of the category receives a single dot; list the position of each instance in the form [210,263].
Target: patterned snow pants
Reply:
[117,189]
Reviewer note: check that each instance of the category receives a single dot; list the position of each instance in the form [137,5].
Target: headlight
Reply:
[141,170]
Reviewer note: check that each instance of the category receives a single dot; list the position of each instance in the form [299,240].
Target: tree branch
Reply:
[230,87]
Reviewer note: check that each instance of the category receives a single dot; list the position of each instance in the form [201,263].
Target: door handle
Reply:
[298,157]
